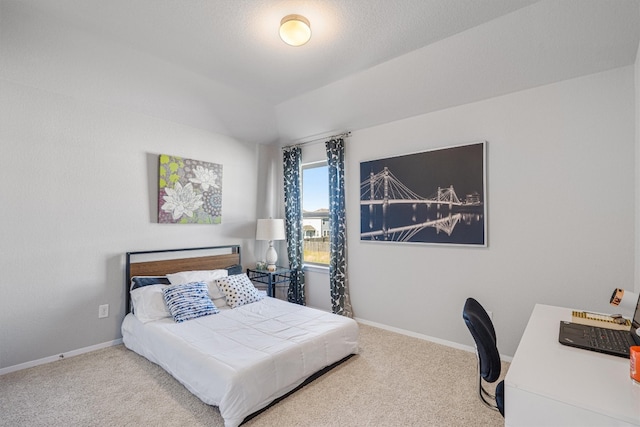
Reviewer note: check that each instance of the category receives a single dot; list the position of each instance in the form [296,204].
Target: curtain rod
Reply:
[346,134]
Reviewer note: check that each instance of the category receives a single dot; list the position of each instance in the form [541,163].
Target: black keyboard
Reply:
[608,339]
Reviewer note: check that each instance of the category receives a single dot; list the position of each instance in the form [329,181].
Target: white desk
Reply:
[549,384]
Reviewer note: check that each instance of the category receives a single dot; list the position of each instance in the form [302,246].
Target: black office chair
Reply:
[484,335]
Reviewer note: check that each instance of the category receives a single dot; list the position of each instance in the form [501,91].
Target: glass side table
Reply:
[270,278]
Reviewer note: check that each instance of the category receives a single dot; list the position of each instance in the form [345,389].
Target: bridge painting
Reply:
[436,196]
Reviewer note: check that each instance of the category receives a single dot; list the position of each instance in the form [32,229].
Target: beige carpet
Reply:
[394,381]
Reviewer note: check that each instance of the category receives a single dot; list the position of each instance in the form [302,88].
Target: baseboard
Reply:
[60,356]
[426,338]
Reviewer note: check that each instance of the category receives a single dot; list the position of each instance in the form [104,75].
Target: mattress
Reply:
[242,359]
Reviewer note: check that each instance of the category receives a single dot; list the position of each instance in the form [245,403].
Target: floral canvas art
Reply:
[189,191]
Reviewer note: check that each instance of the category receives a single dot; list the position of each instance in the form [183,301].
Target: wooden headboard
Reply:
[167,261]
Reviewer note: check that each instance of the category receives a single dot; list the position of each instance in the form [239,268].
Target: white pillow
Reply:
[207,276]
[239,290]
[149,304]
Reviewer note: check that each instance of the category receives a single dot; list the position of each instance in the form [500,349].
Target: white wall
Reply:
[80,189]
[565,143]
[82,123]
[560,172]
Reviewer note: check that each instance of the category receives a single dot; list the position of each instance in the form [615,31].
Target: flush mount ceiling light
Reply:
[295,30]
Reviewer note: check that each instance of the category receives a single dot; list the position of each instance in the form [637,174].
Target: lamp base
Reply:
[271,257]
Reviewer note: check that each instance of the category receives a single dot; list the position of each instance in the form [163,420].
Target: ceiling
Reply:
[235,43]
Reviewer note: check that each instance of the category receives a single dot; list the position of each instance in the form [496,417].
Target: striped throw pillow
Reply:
[189,301]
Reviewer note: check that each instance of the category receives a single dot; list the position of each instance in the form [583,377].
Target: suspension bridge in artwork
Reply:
[385,189]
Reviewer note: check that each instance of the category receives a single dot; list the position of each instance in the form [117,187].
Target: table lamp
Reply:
[270,229]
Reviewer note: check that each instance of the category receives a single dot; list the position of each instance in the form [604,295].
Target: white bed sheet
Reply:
[242,359]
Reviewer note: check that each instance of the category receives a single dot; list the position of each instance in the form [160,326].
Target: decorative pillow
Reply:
[239,290]
[140,281]
[148,303]
[189,301]
[234,269]
[207,276]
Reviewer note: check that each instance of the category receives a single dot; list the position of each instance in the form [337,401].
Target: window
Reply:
[315,213]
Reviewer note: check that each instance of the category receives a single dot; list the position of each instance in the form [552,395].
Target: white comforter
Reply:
[242,359]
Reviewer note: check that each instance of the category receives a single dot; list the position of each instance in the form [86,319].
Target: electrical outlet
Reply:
[103,311]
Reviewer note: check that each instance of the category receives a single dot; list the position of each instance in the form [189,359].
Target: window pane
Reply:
[315,213]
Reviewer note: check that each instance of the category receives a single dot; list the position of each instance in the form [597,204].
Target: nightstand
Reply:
[270,278]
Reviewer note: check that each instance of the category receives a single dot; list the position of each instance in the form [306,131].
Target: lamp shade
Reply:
[270,229]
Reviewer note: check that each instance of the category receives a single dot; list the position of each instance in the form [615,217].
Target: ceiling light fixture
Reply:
[295,30]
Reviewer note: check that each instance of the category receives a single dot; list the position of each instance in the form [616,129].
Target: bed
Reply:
[239,356]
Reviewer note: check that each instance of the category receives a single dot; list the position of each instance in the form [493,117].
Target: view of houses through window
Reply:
[315,213]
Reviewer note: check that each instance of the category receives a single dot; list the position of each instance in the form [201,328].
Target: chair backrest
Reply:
[483,333]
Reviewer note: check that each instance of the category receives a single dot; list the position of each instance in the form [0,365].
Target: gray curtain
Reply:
[340,301]
[292,161]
